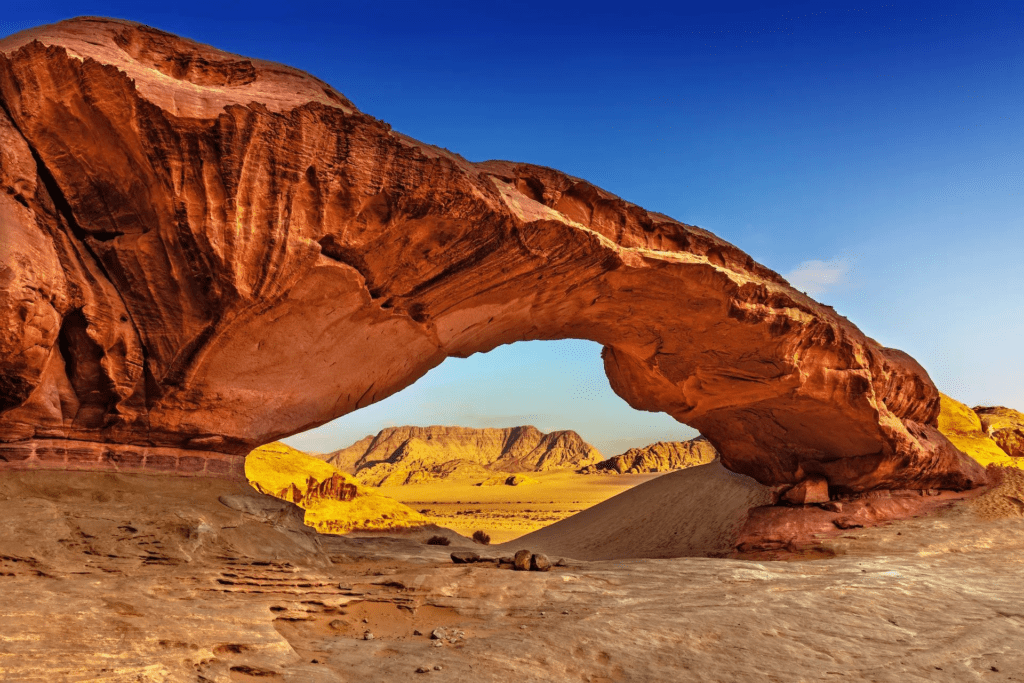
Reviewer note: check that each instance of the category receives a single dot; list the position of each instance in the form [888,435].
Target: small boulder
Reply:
[810,490]
[832,506]
[439,634]
[521,561]
[367,636]
[465,557]
[847,523]
[540,563]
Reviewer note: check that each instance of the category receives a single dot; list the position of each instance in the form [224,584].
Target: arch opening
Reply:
[553,386]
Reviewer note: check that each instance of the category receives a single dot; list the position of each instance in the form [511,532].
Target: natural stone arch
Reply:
[205,253]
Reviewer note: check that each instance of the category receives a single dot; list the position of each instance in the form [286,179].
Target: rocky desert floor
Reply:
[148,578]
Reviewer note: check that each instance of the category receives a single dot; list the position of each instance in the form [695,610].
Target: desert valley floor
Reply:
[465,507]
[148,578]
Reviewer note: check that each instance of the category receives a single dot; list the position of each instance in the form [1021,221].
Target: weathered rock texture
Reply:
[410,455]
[204,251]
[333,501]
[1005,426]
[663,456]
[812,490]
[965,429]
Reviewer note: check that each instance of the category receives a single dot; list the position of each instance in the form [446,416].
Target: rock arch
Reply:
[202,253]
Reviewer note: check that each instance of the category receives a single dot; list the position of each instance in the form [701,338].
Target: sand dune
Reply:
[689,513]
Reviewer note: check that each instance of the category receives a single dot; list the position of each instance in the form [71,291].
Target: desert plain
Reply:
[505,514]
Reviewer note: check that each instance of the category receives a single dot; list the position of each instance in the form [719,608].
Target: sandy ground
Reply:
[693,512]
[147,578]
[508,512]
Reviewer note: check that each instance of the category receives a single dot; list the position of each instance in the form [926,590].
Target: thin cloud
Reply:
[815,277]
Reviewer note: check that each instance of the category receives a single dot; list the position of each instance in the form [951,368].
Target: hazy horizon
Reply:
[868,152]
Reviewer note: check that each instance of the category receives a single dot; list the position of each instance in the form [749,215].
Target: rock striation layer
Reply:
[207,252]
[663,456]
[411,455]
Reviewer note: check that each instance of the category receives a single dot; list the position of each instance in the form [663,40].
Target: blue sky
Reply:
[871,152]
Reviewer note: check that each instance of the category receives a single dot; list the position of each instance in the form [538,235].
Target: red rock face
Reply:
[207,252]
[812,490]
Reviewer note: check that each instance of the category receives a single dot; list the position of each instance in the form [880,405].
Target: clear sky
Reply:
[872,152]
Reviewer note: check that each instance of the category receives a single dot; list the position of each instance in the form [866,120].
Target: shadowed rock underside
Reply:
[206,252]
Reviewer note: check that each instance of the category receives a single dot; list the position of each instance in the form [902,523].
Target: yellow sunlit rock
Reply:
[963,427]
[334,502]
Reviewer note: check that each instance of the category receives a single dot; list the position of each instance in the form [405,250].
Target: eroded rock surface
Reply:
[412,455]
[1005,426]
[963,427]
[810,490]
[150,578]
[203,251]
[334,502]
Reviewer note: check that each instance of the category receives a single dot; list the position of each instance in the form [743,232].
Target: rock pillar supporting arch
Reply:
[205,252]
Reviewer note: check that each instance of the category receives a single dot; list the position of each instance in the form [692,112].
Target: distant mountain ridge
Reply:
[663,456]
[409,455]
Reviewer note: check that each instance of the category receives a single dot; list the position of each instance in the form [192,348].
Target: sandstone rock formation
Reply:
[333,501]
[207,252]
[809,491]
[1005,426]
[101,582]
[663,456]
[991,436]
[411,455]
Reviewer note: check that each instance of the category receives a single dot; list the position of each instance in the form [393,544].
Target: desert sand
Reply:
[507,512]
[122,578]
